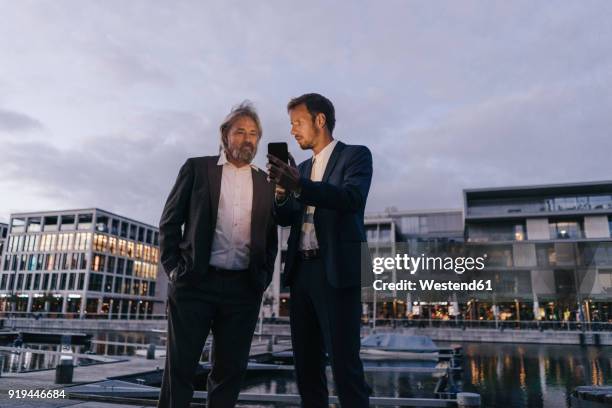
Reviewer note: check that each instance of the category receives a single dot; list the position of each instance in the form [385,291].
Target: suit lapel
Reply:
[333,159]
[257,206]
[214,184]
[307,169]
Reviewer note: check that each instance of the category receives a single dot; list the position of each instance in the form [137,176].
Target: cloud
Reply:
[16,122]
[465,95]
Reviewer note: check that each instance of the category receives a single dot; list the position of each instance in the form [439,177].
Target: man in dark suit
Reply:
[218,243]
[323,200]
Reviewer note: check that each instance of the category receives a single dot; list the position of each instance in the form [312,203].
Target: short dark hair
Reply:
[316,103]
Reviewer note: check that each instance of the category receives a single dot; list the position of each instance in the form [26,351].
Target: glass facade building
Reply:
[86,263]
[417,232]
[549,249]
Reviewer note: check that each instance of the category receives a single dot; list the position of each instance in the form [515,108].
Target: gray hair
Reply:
[245,108]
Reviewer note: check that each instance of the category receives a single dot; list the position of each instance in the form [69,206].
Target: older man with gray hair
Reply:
[218,243]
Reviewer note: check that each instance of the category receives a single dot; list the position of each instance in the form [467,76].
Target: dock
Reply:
[104,385]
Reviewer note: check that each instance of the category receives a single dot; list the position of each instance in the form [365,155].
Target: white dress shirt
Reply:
[232,239]
[308,235]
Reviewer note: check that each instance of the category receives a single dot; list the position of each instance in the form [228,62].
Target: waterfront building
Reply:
[414,232]
[79,263]
[421,230]
[549,250]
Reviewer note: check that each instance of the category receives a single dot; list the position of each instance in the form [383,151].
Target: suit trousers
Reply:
[326,319]
[225,303]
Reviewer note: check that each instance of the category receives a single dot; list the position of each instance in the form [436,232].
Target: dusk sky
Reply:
[102,101]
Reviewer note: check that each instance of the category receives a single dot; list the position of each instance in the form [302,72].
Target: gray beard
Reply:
[243,154]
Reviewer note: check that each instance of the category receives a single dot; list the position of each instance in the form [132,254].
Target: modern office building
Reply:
[3,234]
[549,250]
[413,232]
[421,230]
[79,263]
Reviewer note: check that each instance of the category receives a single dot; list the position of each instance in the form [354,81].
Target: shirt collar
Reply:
[223,160]
[326,152]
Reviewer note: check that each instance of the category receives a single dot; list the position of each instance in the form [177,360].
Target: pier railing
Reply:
[492,324]
[99,316]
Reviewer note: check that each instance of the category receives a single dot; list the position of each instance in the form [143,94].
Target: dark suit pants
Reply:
[225,303]
[324,318]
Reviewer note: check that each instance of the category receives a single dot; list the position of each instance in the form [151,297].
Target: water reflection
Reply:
[506,375]
[538,376]
[39,357]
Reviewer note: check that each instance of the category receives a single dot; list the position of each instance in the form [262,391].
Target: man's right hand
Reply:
[280,193]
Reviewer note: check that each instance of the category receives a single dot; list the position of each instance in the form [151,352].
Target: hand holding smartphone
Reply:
[279,150]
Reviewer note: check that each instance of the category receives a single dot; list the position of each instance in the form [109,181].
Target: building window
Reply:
[133,229]
[565,230]
[71,281]
[34,224]
[95,282]
[85,221]
[149,236]
[141,232]
[53,282]
[50,223]
[136,287]
[118,284]
[82,261]
[605,280]
[124,229]
[98,263]
[74,261]
[81,281]
[108,283]
[115,227]
[92,306]
[101,223]
[600,202]
[127,286]
[68,223]
[110,264]
[120,266]
[18,225]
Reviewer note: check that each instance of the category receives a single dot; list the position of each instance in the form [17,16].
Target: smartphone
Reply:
[279,150]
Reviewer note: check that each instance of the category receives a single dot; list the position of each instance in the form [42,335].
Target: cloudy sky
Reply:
[101,102]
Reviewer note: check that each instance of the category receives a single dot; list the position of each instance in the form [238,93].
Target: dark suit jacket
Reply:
[340,200]
[193,204]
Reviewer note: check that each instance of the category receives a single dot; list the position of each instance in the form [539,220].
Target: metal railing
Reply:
[492,324]
[98,316]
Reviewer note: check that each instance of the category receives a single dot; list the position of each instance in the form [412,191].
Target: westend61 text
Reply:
[430,284]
